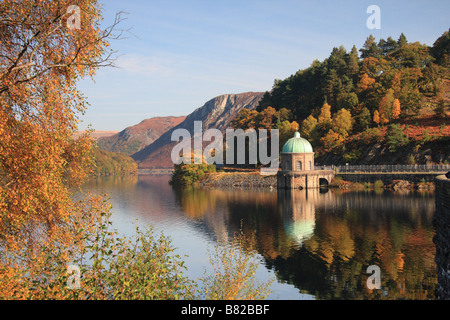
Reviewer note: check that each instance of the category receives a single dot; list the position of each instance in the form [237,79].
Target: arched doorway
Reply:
[323,182]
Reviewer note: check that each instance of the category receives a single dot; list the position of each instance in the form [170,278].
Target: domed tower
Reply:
[297,154]
[297,166]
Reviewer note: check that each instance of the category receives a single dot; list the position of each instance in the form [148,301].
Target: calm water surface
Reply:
[316,243]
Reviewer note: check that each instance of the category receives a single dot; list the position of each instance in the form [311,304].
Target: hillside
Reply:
[107,163]
[216,113]
[134,138]
[387,103]
[96,134]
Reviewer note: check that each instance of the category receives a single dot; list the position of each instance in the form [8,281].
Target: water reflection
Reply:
[320,242]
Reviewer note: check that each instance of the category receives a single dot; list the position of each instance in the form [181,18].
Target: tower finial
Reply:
[297,134]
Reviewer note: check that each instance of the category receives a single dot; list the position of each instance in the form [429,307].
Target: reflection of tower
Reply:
[298,211]
[297,166]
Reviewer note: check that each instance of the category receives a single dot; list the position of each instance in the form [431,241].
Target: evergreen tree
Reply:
[395,137]
[364,119]
[370,48]
[353,64]
[441,49]
[389,46]
[402,40]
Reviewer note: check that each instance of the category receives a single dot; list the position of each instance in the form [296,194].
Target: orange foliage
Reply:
[396,109]
[376,117]
[332,141]
[366,82]
[41,59]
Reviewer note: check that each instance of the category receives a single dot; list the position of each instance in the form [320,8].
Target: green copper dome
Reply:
[297,145]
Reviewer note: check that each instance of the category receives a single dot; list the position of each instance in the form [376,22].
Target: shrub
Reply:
[189,174]
[234,269]
[336,182]
[145,266]
[411,159]
[352,156]
[378,184]
[395,137]
[371,135]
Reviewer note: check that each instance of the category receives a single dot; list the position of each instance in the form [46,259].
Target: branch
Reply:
[103,62]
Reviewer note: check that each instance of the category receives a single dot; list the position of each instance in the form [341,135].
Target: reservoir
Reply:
[316,243]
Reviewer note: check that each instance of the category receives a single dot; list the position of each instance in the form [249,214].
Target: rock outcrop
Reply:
[216,113]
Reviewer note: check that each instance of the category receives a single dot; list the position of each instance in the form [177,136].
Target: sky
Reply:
[179,54]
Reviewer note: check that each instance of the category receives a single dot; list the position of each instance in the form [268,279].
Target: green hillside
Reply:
[108,163]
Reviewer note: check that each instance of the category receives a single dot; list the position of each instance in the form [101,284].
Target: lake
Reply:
[318,244]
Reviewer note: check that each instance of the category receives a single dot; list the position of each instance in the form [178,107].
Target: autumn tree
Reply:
[332,141]
[324,119]
[245,119]
[286,131]
[342,122]
[266,118]
[396,109]
[310,129]
[43,53]
[386,107]
[376,117]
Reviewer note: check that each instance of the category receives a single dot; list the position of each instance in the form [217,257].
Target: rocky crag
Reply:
[216,113]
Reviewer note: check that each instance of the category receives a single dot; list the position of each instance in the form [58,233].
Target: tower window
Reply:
[299,165]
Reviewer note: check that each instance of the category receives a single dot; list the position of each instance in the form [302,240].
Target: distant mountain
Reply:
[134,138]
[216,113]
[96,134]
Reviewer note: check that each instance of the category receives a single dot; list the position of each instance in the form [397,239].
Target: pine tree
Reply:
[370,48]
[353,62]
[390,46]
[402,40]
[364,118]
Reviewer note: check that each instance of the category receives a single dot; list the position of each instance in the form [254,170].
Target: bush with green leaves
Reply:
[147,267]
[395,137]
[378,184]
[189,174]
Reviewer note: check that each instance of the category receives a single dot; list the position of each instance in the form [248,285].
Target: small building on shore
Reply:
[297,166]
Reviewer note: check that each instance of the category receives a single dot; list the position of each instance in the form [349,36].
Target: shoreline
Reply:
[253,180]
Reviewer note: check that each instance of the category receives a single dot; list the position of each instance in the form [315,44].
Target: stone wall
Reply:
[442,237]
[387,178]
[239,180]
[304,179]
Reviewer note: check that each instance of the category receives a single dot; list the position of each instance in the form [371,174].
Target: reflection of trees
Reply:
[320,242]
[360,230]
[323,242]
[195,202]
[108,182]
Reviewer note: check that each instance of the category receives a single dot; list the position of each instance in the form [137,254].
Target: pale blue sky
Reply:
[183,53]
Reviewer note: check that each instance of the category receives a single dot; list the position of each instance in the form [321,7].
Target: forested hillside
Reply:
[386,102]
[107,163]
